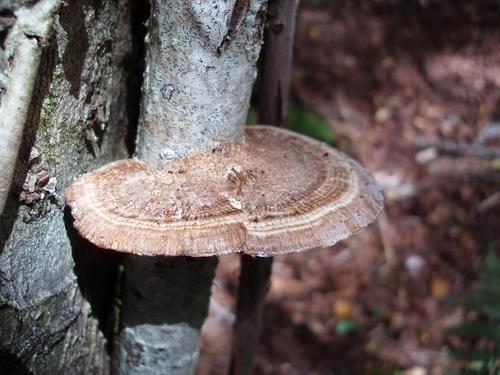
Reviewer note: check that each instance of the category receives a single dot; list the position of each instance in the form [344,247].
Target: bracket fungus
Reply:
[279,192]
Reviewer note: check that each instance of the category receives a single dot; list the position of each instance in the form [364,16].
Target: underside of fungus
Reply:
[279,192]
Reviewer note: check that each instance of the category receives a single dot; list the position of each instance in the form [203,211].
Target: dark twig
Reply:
[489,203]
[277,62]
[459,149]
[254,284]
[464,167]
[490,132]
[273,109]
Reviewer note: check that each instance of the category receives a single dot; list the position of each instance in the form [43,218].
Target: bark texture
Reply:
[24,46]
[165,302]
[75,122]
[200,68]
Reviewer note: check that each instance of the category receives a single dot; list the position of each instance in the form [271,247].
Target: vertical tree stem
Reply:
[277,62]
[200,68]
[15,103]
[254,284]
[273,109]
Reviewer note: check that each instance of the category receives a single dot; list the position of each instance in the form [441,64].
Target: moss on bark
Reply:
[77,121]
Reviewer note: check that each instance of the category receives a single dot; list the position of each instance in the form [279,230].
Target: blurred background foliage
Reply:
[410,89]
[302,121]
[479,347]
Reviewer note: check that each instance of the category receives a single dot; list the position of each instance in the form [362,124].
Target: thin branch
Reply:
[489,203]
[490,132]
[464,167]
[254,284]
[459,149]
[24,45]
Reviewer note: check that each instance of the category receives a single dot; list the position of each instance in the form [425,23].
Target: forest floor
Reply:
[390,80]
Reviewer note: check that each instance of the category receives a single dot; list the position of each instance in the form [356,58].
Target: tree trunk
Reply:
[56,289]
[200,68]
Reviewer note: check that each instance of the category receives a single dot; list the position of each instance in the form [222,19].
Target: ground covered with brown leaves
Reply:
[412,90]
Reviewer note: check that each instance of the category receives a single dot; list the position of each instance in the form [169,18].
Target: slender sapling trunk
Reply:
[200,68]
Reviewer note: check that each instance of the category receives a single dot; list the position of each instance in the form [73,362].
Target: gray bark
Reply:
[200,68]
[75,122]
[165,301]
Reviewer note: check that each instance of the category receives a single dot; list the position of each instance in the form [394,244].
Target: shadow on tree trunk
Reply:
[97,277]
[135,65]
[12,365]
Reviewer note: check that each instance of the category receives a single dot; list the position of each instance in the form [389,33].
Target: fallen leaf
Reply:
[439,287]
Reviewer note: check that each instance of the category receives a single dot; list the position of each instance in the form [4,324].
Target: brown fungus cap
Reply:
[280,192]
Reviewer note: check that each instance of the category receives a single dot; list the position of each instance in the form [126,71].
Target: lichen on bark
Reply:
[199,76]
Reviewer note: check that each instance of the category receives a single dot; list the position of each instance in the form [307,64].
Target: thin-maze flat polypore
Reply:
[277,193]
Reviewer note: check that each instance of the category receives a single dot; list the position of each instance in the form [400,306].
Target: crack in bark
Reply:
[237,16]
